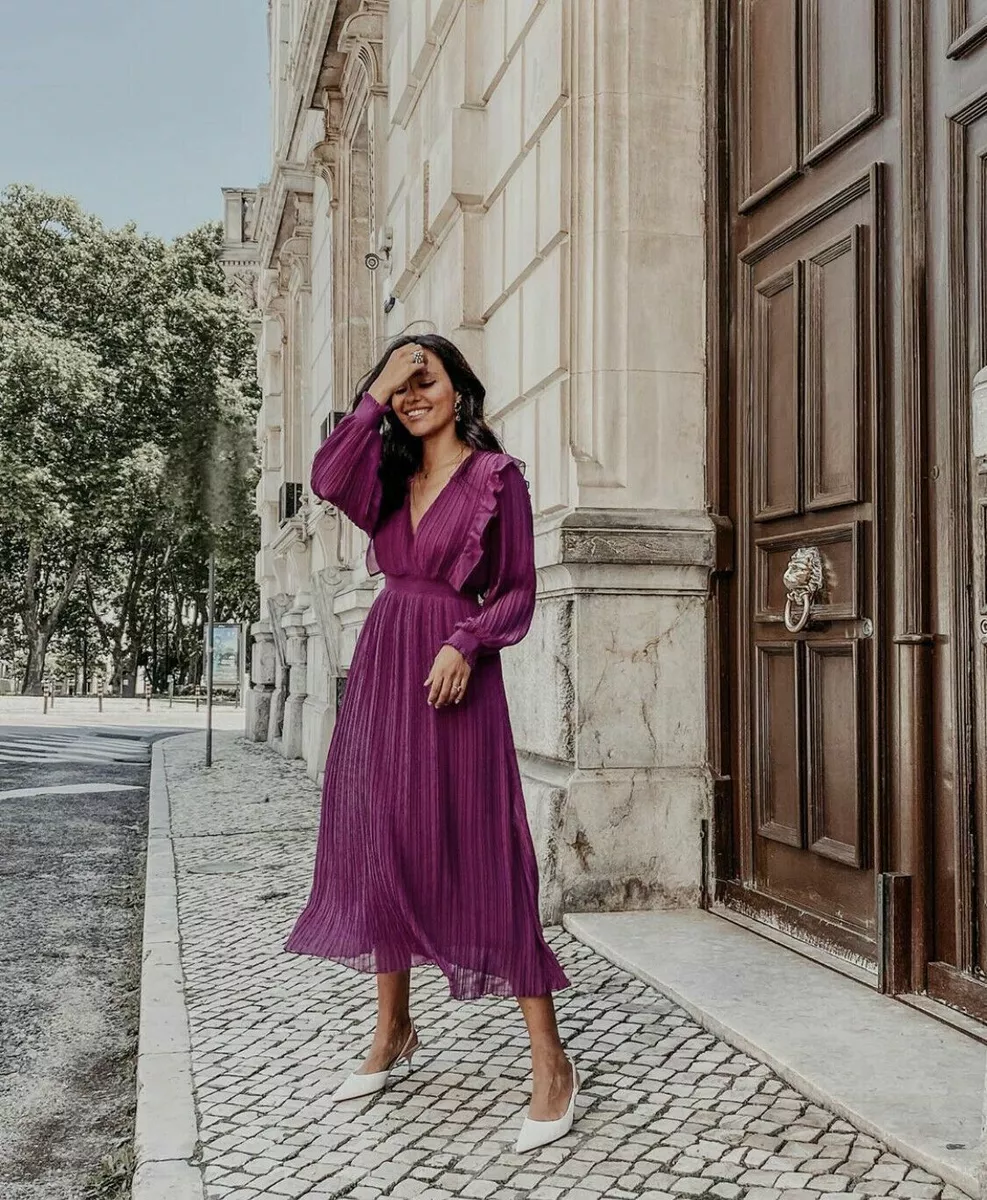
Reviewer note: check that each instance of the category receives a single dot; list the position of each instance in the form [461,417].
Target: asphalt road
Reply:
[73,826]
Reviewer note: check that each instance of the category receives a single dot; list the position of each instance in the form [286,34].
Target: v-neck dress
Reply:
[424,852]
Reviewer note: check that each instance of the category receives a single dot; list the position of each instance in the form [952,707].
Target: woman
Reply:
[424,852]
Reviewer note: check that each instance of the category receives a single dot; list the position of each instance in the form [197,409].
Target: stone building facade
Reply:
[529,175]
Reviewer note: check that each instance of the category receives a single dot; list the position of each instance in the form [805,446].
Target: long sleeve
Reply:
[509,602]
[344,469]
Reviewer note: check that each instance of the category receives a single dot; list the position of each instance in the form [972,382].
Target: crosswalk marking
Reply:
[69,747]
[68,789]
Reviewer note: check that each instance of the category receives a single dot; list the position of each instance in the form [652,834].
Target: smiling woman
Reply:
[424,852]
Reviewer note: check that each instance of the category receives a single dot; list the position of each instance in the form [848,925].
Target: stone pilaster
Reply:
[296,662]
[262,671]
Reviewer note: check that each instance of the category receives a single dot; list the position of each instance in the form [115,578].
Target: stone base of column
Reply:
[258,713]
[292,738]
[608,706]
[318,721]
[275,718]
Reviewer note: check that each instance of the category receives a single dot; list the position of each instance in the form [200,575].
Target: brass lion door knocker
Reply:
[803,580]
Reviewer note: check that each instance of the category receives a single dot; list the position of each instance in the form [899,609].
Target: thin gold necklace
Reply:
[441,466]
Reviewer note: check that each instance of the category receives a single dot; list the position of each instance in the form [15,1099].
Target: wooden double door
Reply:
[850,317]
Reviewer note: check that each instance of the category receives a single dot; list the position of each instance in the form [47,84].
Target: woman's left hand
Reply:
[448,677]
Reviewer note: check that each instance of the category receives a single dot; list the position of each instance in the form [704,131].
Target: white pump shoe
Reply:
[539,1133]
[356,1085]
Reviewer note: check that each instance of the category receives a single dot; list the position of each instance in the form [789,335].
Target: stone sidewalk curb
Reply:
[166,1137]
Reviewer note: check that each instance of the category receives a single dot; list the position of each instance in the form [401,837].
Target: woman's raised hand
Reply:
[400,366]
[447,679]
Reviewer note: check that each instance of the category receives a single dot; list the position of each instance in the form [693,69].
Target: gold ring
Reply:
[418,357]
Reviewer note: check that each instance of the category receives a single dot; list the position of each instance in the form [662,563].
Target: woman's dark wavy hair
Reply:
[402,452]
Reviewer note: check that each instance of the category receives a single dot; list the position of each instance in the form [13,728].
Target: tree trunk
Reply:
[38,631]
[34,671]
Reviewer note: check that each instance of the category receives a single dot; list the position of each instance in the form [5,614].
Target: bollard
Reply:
[171,691]
[44,693]
[147,696]
[99,694]
[197,698]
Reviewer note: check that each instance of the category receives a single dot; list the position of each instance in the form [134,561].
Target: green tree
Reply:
[126,375]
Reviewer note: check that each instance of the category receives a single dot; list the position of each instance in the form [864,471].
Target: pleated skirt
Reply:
[424,852]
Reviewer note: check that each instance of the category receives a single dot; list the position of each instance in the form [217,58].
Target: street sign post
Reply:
[210,648]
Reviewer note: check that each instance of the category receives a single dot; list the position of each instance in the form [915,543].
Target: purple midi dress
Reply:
[424,853]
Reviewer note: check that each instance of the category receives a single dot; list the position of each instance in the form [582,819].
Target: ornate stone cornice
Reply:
[362,38]
[307,61]
[289,182]
[636,536]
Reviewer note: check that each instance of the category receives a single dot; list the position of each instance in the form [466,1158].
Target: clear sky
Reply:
[141,109]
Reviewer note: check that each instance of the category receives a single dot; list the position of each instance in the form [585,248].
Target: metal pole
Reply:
[209,655]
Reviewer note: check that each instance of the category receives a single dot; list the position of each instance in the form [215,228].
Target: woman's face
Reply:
[426,402]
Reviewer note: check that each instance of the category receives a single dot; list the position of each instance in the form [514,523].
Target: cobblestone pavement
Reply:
[665,1110]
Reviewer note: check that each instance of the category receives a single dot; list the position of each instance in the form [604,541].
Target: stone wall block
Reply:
[544,304]
[544,716]
[546,803]
[552,466]
[456,167]
[521,220]
[665,56]
[640,692]
[503,354]
[631,841]
[665,193]
[545,53]
[505,115]
[493,254]
[263,661]
[489,44]
[665,315]
[553,182]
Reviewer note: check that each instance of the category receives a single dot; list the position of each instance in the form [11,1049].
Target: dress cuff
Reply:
[466,643]
[368,410]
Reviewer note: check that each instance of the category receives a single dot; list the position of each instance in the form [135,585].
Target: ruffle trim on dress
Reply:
[487,503]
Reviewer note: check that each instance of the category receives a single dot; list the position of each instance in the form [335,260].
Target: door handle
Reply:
[803,580]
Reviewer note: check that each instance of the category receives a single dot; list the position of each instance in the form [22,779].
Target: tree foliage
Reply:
[127,404]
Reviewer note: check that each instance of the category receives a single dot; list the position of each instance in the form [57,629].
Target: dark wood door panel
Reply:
[837,754]
[854,280]
[825,891]
[778,317]
[967,27]
[842,596]
[843,56]
[957,148]
[838,334]
[779,785]
[769,97]
[807,352]
[810,80]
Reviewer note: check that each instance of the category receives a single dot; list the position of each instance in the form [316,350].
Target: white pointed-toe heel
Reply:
[356,1085]
[539,1133]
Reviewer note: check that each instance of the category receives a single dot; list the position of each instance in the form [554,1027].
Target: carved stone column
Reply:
[262,668]
[296,662]
[608,691]
[277,606]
